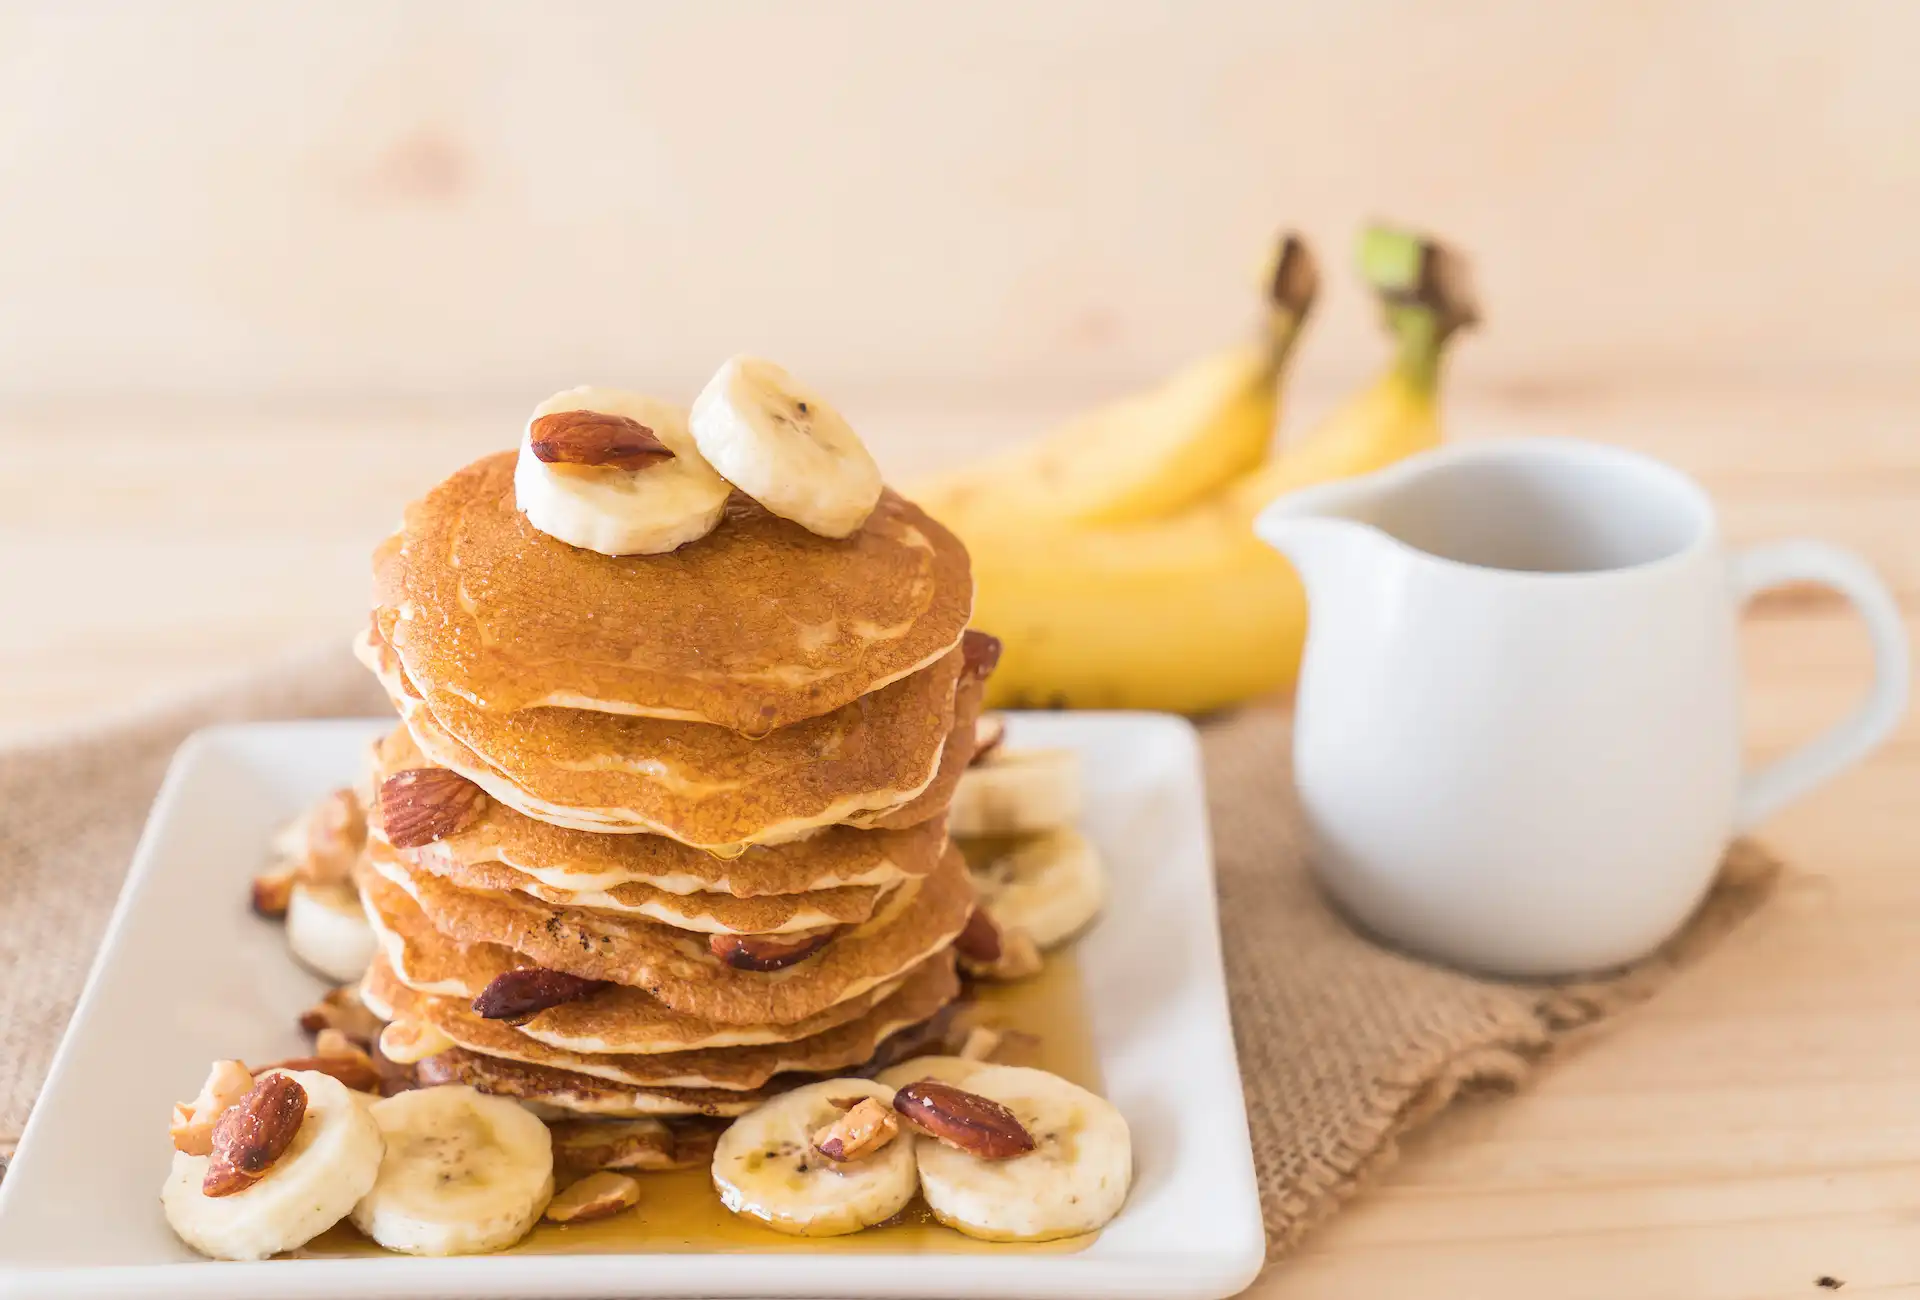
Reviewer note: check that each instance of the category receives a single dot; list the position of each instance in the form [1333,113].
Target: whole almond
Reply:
[595,438]
[766,952]
[358,1072]
[979,653]
[963,1120]
[424,804]
[253,1133]
[979,941]
[521,993]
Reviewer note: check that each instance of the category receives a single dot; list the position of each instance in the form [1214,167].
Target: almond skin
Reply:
[979,653]
[424,804]
[766,952]
[595,438]
[963,1120]
[253,1133]
[980,940]
[597,1196]
[521,993]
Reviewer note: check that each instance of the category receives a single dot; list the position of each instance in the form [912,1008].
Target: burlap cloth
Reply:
[1344,1046]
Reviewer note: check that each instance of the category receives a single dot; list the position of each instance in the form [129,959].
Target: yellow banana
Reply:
[1192,612]
[1148,455]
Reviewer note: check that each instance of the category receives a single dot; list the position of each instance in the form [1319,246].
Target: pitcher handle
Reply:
[1768,789]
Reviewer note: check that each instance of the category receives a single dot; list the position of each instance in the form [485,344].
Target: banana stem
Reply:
[1425,296]
[1291,289]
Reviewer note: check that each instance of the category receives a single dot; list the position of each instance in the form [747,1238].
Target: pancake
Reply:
[930,987]
[705,786]
[933,802]
[580,862]
[758,625]
[562,1094]
[919,919]
[614,1019]
[696,913]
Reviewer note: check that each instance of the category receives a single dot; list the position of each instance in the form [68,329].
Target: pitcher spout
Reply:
[1323,528]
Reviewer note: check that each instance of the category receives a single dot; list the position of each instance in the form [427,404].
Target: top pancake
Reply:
[758,625]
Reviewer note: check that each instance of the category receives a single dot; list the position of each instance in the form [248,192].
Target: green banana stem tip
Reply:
[1424,290]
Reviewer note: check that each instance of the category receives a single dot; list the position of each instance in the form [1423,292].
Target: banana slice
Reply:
[609,506]
[331,1163]
[464,1173]
[765,1166]
[1050,885]
[776,440]
[1017,792]
[327,930]
[955,1070]
[1073,1181]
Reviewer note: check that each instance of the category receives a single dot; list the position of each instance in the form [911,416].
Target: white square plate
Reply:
[187,975]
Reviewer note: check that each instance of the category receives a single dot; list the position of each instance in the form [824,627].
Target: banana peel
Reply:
[1191,612]
[1151,454]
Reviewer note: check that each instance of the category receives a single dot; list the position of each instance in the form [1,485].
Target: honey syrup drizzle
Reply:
[680,1213]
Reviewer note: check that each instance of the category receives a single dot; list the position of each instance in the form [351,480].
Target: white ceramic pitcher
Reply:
[1517,740]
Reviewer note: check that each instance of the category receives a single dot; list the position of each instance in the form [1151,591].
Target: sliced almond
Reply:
[192,1128]
[981,1044]
[424,804]
[336,832]
[859,1133]
[339,1056]
[252,1134]
[273,891]
[988,732]
[518,994]
[963,1120]
[407,1042]
[343,1010]
[597,1196]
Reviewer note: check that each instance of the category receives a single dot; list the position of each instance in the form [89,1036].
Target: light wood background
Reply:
[266,271]
[437,197]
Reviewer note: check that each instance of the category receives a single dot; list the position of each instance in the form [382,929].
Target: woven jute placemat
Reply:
[1344,1045]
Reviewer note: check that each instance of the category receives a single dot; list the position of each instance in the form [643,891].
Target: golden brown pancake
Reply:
[559,1094]
[919,919]
[580,862]
[706,786]
[697,913]
[614,1019]
[955,755]
[927,989]
[759,625]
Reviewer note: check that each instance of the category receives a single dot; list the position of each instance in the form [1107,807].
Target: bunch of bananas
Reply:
[1116,560]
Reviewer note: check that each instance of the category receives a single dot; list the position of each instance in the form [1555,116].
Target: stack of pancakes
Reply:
[712,839]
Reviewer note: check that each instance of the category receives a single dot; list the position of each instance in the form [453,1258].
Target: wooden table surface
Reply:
[1754,1129]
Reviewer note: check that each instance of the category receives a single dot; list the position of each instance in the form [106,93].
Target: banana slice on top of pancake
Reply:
[781,443]
[616,472]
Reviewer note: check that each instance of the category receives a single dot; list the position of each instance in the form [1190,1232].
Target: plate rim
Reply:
[1187,1276]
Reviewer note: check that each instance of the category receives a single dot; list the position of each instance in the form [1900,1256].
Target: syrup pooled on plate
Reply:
[680,1213]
